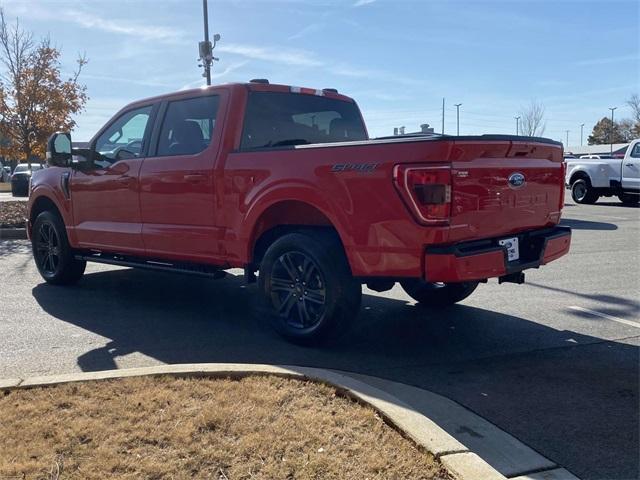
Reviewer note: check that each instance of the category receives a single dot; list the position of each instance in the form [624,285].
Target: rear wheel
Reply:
[629,198]
[438,294]
[583,192]
[52,253]
[308,288]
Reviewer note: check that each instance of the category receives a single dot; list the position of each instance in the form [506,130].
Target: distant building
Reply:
[619,149]
[424,128]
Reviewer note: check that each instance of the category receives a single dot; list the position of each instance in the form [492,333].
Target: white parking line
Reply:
[604,315]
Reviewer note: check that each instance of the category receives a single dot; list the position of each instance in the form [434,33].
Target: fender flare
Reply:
[289,192]
[62,205]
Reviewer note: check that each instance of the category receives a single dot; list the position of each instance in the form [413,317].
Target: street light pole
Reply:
[458,118]
[442,115]
[567,144]
[206,61]
[581,136]
[517,125]
[612,125]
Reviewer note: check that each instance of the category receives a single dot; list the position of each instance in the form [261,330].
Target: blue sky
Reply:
[398,58]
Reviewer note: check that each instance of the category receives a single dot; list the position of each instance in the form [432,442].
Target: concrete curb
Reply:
[13,233]
[461,463]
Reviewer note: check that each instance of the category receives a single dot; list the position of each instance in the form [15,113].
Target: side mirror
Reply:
[59,149]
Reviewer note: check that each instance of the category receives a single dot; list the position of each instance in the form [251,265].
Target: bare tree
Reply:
[532,122]
[634,103]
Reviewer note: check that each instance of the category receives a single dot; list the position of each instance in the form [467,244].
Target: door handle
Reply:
[195,177]
[628,164]
[127,181]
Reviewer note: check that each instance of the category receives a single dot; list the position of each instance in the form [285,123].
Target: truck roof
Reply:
[255,86]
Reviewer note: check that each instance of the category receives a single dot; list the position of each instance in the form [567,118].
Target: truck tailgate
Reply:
[505,187]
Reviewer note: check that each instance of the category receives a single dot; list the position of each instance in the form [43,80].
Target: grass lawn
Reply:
[13,214]
[164,427]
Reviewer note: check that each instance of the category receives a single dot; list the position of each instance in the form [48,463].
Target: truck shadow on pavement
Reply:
[587,224]
[545,386]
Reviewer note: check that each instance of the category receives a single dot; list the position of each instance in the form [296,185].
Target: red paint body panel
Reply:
[450,268]
[106,208]
[238,195]
[458,268]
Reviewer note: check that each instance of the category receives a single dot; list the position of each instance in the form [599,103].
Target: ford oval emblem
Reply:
[516,180]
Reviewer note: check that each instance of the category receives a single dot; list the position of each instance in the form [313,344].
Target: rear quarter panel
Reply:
[380,236]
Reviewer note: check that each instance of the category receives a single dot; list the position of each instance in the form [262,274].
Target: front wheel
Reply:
[52,253]
[629,198]
[308,288]
[583,192]
[437,294]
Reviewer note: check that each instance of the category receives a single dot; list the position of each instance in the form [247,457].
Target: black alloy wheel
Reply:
[52,253]
[307,288]
[298,290]
[47,249]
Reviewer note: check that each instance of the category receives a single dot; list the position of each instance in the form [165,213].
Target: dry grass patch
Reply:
[13,214]
[165,427]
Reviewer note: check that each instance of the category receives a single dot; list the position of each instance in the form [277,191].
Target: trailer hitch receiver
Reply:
[517,277]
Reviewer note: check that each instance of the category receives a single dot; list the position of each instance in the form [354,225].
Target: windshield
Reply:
[283,119]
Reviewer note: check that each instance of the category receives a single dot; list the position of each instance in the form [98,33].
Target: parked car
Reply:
[589,180]
[594,157]
[20,178]
[5,174]
[285,181]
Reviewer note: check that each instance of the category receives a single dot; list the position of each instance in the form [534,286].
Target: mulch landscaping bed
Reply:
[259,427]
[13,214]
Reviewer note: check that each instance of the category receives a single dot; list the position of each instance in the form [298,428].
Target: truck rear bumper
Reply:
[483,259]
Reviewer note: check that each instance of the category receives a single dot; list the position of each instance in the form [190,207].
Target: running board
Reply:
[201,270]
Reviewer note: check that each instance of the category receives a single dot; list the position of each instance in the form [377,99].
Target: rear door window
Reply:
[188,126]
[284,119]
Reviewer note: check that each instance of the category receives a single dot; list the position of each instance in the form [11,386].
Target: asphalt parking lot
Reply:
[554,362]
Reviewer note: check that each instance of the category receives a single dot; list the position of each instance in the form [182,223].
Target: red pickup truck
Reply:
[284,182]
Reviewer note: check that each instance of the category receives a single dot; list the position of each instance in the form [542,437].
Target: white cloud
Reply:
[312,28]
[361,3]
[142,31]
[145,82]
[603,61]
[285,56]
[82,17]
[215,75]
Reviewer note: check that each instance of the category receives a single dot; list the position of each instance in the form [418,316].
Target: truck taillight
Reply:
[426,191]
[563,173]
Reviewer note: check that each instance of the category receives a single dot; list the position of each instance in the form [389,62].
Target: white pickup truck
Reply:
[590,179]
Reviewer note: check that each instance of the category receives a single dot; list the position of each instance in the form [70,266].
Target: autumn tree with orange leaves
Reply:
[35,101]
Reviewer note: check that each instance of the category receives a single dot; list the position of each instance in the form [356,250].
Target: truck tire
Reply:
[52,253]
[437,294]
[307,287]
[629,198]
[583,192]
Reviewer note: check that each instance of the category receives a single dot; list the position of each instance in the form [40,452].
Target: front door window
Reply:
[124,138]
